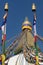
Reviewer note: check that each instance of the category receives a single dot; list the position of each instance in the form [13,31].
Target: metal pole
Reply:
[35,33]
[5,19]
[4,33]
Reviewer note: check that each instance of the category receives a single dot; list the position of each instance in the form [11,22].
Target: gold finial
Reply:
[6,7]
[26,24]
[33,7]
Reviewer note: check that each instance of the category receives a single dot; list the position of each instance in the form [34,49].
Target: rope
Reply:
[39,37]
[12,46]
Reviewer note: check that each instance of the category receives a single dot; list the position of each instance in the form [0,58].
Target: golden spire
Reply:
[26,24]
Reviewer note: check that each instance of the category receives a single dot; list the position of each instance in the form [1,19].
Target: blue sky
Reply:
[18,10]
